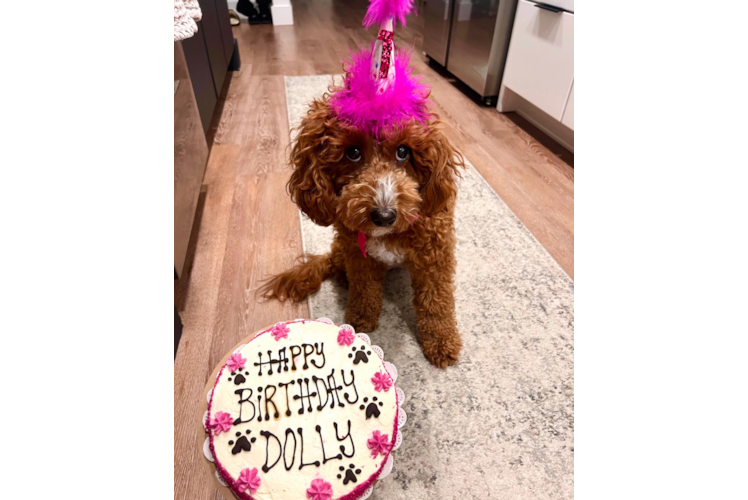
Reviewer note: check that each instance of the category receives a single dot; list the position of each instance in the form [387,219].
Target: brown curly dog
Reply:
[400,193]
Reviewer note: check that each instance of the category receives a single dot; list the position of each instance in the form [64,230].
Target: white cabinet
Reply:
[540,63]
[538,79]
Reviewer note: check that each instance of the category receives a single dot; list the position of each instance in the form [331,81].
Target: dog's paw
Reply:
[361,323]
[441,348]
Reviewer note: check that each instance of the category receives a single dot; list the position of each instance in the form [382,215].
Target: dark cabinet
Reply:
[201,74]
[201,65]
[209,53]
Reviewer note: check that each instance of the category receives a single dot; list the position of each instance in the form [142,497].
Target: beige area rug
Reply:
[499,424]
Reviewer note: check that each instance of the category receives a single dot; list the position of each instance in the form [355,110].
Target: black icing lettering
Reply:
[307,353]
[320,351]
[294,355]
[259,406]
[347,436]
[282,358]
[334,388]
[269,400]
[242,401]
[319,392]
[267,435]
[353,379]
[303,396]
[285,448]
[288,408]
[301,456]
[339,456]
[271,361]
[260,363]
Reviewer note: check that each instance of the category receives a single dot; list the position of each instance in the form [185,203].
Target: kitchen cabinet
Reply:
[538,78]
[210,54]
[540,64]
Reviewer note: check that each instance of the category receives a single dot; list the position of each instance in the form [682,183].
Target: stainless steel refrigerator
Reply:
[470,38]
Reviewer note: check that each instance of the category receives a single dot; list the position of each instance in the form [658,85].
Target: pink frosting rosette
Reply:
[378,443]
[345,336]
[236,362]
[319,490]
[249,479]
[280,331]
[381,381]
[221,422]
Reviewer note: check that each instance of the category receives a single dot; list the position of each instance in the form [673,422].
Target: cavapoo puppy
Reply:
[371,160]
[391,202]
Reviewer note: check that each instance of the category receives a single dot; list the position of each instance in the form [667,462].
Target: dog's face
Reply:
[376,187]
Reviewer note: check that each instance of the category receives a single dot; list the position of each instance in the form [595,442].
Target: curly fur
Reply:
[332,190]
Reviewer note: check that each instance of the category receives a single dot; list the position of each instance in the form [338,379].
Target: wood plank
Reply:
[191,366]
[248,229]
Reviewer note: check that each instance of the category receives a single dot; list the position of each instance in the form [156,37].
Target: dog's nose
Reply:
[383,218]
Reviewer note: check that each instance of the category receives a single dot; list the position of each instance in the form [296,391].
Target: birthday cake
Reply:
[304,409]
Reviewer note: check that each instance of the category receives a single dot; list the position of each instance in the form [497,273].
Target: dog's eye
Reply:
[353,153]
[402,153]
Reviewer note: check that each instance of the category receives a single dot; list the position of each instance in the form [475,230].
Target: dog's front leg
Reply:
[365,276]
[434,302]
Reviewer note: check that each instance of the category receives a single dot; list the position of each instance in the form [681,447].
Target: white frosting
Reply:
[278,483]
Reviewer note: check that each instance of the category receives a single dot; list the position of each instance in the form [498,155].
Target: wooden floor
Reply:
[246,227]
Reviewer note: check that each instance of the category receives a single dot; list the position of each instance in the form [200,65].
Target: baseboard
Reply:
[511,101]
[235,64]
[561,134]
[282,15]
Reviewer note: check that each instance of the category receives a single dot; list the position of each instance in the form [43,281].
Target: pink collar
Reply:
[362,242]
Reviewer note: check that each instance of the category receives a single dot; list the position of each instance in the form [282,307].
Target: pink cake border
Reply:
[358,490]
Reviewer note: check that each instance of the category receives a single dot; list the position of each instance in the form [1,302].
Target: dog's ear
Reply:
[310,186]
[440,165]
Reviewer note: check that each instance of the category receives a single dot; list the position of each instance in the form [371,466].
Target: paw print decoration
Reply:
[349,475]
[242,443]
[371,409]
[238,377]
[360,355]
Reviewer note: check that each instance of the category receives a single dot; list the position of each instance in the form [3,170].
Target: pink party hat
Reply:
[379,94]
